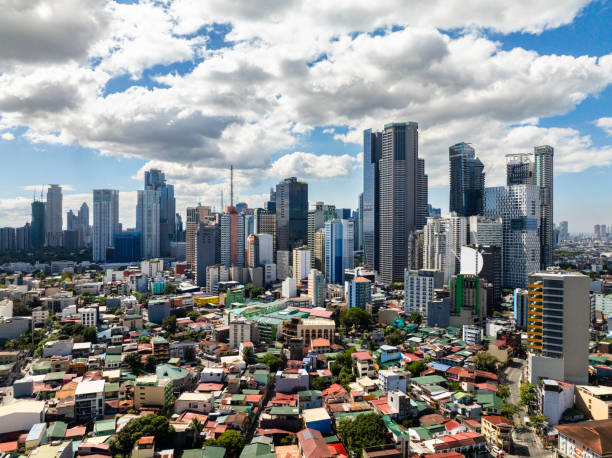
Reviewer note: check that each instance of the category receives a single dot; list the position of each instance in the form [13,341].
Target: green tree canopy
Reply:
[366,430]
[274,362]
[415,317]
[150,364]
[416,367]
[356,317]
[503,391]
[319,383]
[527,394]
[233,442]
[149,425]
[485,361]
[170,288]
[169,324]
[133,362]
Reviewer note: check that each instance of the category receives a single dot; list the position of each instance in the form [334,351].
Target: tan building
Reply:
[265,223]
[309,329]
[595,402]
[498,431]
[149,391]
[242,330]
[319,251]
[501,351]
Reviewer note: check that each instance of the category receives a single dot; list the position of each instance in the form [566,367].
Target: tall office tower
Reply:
[265,243]
[356,228]
[543,171]
[206,250]
[467,180]
[468,300]
[519,208]
[265,223]
[399,197]
[519,169]
[316,288]
[359,293]
[558,327]
[195,216]
[456,237]
[563,231]
[521,308]
[486,231]
[317,218]
[343,213]
[71,220]
[252,251]
[23,237]
[249,225]
[7,239]
[372,153]
[434,244]
[53,216]
[486,262]
[38,224]
[319,251]
[360,217]
[422,195]
[126,247]
[155,180]
[419,288]
[338,249]
[241,207]
[596,231]
[291,214]
[179,228]
[83,216]
[105,221]
[232,238]
[148,223]
[301,263]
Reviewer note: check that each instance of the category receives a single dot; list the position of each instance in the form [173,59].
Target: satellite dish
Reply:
[471,261]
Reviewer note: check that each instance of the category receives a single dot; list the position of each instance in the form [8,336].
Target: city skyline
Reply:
[277,131]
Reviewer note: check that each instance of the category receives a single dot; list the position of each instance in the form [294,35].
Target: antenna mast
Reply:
[232,185]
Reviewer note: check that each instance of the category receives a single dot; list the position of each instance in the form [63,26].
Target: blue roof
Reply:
[36,431]
[439,367]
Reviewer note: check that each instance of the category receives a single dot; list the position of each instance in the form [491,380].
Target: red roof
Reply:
[361,280]
[451,424]
[337,449]
[320,342]
[362,355]
[497,420]
[146,440]
[6,447]
[77,431]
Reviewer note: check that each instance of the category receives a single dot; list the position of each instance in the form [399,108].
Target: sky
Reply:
[93,93]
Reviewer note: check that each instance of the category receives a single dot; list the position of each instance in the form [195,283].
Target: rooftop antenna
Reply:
[232,185]
[222,200]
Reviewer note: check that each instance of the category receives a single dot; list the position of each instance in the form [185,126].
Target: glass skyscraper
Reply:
[372,152]
[467,180]
[291,214]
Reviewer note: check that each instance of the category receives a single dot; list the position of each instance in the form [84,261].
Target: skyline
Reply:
[302,108]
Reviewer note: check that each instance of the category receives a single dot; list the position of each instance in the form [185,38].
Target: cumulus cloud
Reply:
[605,124]
[315,166]
[7,136]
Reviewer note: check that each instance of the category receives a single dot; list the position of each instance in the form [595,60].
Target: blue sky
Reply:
[202,89]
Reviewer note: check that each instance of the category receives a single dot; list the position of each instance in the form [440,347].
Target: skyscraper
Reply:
[301,263]
[372,153]
[519,169]
[232,238]
[316,288]
[291,214]
[53,216]
[519,208]
[265,223]
[558,327]
[105,222]
[38,224]
[317,218]
[155,180]
[195,216]
[434,244]
[563,230]
[319,250]
[338,249]
[148,223]
[544,179]
[206,250]
[401,201]
[467,180]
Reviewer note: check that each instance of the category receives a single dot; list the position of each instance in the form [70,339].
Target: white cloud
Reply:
[605,124]
[314,166]
[7,136]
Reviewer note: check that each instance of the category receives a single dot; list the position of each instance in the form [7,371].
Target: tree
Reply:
[454,386]
[248,356]
[20,309]
[149,425]
[527,394]
[356,317]
[416,367]
[90,334]
[416,317]
[117,311]
[485,361]
[150,364]
[193,315]
[274,362]
[319,383]
[286,440]
[508,410]
[366,430]
[134,363]
[169,288]
[232,440]
[196,427]
[503,391]
[536,421]
[394,337]
[169,324]
[190,354]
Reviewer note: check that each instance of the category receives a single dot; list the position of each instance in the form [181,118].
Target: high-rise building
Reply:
[372,153]
[252,251]
[38,224]
[563,230]
[195,216]
[127,247]
[319,251]
[468,300]
[155,180]
[400,200]
[520,308]
[544,179]
[207,251]
[232,238]
[105,221]
[456,237]
[338,249]
[434,244]
[519,169]
[301,263]
[53,216]
[360,218]
[486,231]
[316,288]
[265,223]
[558,327]
[359,293]
[317,218]
[467,180]
[519,208]
[422,195]
[419,288]
[7,239]
[291,214]
[148,223]
[71,220]
[23,237]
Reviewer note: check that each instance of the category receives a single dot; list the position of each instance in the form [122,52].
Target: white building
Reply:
[554,398]
[194,402]
[214,275]
[316,288]
[419,289]
[266,248]
[21,416]
[289,288]
[147,222]
[472,335]
[89,316]
[434,244]
[242,330]
[392,380]
[89,399]
[39,315]
[301,263]
[152,268]
[105,221]
[283,269]
[57,348]
[269,273]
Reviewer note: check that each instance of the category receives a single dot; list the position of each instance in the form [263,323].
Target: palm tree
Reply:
[247,355]
[196,427]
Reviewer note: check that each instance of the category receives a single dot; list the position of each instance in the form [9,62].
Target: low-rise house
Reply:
[318,419]
[553,398]
[89,399]
[595,402]
[310,399]
[312,445]
[498,431]
[151,391]
[194,402]
[589,439]
[291,381]
[392,380]
[364,364]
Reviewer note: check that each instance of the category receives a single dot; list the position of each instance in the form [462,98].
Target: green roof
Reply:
[104,426]
[238,397]
[170,371]
[113,358]
[487,400]
[111,387]
[429,380]
[159,340]
[250,392]
[284,411]
[51,376]
[396,429]
[212,451]
[57,430]
[422,432]
[309,393]
[257,450]
[331,439]
[352,415]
